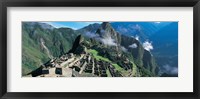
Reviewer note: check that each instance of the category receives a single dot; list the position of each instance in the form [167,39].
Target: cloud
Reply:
[124,49]
[91,35]
[134,45]
[132,36]
[46,26]
[169,69]
[147,45]
[137,37]
[174,70]
[103,31]
[137,27]
[121,29]
[108,41]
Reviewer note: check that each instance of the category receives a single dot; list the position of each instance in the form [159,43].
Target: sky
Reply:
[73,25]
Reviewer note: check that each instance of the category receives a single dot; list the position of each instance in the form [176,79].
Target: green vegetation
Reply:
[98,57]
[134,69]
[32,58]
[142,71]
[145,72]
[58,42]
[117,67]
[108,73]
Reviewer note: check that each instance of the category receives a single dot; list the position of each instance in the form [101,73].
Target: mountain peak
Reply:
[105,25]
[106,32]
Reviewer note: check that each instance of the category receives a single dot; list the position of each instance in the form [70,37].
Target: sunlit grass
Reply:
[98,57]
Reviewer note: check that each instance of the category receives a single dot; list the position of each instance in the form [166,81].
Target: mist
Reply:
[134,45]
[148,45]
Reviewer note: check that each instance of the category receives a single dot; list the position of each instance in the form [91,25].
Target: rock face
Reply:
[108,35]
[76,44]
[107,54]
[106,31]
[142,57]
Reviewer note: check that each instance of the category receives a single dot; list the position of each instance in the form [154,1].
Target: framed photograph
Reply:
[99,49]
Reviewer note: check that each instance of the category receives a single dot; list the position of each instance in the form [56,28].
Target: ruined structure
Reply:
[71,65]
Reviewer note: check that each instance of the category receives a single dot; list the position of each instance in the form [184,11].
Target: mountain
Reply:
[99,51]
[142,29]
[141,56]
[119,42]
[90,28]
[164,38]
[41,42]
[166,48]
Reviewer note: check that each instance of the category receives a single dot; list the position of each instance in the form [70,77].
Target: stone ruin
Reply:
[84,65]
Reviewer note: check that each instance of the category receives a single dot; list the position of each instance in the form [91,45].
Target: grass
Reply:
[98,57]
[32,58]
[117,67]
[134,69]
[108,73]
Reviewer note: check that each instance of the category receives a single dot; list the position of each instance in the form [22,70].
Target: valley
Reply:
[97,50]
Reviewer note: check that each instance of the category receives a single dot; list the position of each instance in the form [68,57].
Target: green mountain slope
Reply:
[37,38]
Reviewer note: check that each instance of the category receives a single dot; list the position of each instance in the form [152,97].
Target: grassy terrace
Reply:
[117,67]
[108,73]
[134,70]
[98,57]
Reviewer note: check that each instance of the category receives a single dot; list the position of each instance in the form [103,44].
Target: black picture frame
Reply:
[99,3]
